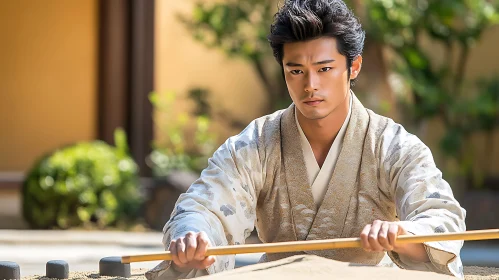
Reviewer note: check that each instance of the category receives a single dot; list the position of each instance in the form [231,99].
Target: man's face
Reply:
[317,76]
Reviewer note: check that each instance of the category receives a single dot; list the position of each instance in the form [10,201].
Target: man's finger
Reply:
[207,262]
[190,246]
[181,251]
[393,232]
[363,238]
[383,236]
[202,245]
[173,251]
[373,236]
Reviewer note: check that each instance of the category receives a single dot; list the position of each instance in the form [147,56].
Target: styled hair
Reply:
[303,20]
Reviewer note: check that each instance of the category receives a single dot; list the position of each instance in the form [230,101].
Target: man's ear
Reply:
[355,68]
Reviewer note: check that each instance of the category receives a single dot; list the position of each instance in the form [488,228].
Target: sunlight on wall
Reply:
[48,75]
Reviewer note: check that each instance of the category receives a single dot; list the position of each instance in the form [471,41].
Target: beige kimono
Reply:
[259,177]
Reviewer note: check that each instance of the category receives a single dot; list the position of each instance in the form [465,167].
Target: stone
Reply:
[9,270]
[162,194]
[112,266]
[57,269]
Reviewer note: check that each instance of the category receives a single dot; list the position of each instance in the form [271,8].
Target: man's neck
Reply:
[321,133]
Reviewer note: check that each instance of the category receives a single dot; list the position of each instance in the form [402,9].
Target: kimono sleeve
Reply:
[222,203]
[424,200]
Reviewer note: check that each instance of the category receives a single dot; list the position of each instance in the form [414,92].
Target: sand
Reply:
[305,267]
[481,273]
[136,274]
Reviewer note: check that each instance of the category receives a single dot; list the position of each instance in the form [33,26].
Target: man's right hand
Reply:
[188,252]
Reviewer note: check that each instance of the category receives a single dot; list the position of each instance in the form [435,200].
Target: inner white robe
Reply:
[319,177]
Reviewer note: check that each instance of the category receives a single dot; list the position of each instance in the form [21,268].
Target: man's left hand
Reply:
[382,236]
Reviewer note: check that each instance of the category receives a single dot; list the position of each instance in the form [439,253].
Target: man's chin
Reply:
[315,115]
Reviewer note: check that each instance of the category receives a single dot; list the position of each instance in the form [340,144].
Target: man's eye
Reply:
[296,72]
[325,69]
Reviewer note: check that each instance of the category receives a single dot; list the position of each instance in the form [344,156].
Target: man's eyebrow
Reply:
[294,64]
[324,62]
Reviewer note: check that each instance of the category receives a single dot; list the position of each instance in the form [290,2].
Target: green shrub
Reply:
[88,183]
[188,139]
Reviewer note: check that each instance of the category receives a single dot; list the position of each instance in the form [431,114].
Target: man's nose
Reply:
[312,82]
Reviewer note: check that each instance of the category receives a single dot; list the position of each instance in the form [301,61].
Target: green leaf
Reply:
[120,141]
[81,175]
[452,142]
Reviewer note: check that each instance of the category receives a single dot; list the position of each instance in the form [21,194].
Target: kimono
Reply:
[260,178]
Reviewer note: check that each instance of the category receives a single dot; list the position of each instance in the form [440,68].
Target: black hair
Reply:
[303,20]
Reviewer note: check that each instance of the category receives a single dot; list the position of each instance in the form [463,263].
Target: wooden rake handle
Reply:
[313,245]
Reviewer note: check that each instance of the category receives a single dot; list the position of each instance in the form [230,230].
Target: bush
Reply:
[88,183]
[188,140]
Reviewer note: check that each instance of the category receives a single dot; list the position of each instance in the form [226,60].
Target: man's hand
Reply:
[188,252]
[382,236]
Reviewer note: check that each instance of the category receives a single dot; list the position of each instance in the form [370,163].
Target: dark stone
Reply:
[9,270]
[181,180]
[57,269]
[112,266]
[162,194]
[481,209]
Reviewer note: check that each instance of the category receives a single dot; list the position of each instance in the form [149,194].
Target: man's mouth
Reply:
[313,102]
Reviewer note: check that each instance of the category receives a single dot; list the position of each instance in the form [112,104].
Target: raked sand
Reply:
[313,268]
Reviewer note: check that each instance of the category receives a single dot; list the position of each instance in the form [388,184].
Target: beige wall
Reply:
[483,58]
[47,77]
[182,63]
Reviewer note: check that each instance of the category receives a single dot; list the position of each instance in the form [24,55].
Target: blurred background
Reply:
[110,109]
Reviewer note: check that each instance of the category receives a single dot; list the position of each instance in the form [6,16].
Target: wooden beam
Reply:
[126,74]
[113,68]
[142,81]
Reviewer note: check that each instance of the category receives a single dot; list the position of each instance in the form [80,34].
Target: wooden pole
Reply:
[313,245]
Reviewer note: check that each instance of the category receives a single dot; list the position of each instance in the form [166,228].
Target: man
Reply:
[326,167]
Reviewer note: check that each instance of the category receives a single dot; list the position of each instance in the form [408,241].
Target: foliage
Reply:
[183,149]
[239,28]
[455,25]
[437,82]
[82,184]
